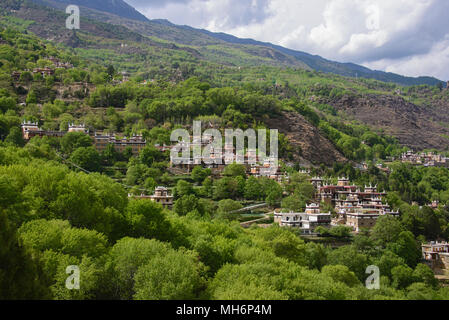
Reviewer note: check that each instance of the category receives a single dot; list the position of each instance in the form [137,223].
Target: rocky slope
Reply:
[418,127]
[309,145]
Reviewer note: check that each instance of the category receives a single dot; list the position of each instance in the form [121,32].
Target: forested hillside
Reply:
[219,45]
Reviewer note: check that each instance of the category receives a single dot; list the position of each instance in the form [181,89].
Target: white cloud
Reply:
[435,62]
[405,36]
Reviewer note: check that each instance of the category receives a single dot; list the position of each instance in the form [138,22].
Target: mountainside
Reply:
[419,127]
[416,115]
[307,138]
[191,36]
[89,177]
[320,64]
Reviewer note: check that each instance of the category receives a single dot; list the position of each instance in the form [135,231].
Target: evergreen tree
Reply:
[21,276]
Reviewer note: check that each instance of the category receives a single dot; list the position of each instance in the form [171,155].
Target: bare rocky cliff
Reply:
[309,144]
[418,127]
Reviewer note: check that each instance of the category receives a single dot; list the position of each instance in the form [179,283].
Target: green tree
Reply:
[235,170]
[87,158]
[199,174]
[186,204]
[407,248]
[215,251]
[402,276]
[341,232]
[59,236]
[4,127]
[31,97]
[274,195]
[111,72]
[125,258]
[15,137]
[147,219]
[21,275]
[420,291]
[136,174]
[387,262]
[92,278]
[207,188]
[316,255]
[341,274]
[387,230]
[293,203]
[150,184]
[7,103]
[226,188]
[149,155]
[349,256]
[227,206]
[183,188]
[305,189]
[110,155]
[424,274]
[253,189]
[74,140]
[172,276]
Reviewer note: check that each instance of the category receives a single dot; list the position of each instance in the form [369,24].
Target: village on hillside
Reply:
[357,207]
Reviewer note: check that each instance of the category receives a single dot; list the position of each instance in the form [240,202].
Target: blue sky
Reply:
[409,37]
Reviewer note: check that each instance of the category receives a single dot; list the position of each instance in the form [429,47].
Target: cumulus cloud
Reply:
[435,62]
[212,14]
[144,4]
[405,36]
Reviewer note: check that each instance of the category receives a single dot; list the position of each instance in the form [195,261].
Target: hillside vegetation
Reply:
[62,202]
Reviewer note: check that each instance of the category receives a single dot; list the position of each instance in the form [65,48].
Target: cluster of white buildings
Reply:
[306,221]
[427,159]
[31,129]
[100,140]
[45,71]
[436,255]
[218,160]
[353,208]
[161,195]
[60,64]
